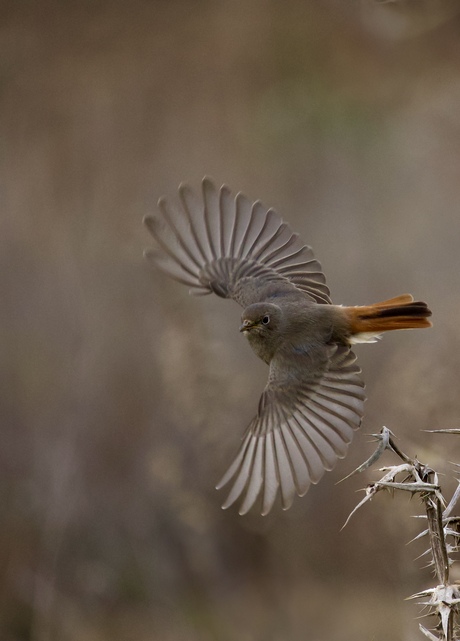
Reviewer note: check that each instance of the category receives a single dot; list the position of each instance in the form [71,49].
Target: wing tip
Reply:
[225,190]
[285,506]
[184,188]
[149,221]
[208,183]
[161,202]
[229,501]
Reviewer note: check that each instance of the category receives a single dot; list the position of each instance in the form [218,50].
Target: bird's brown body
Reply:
[300,322]
[314,396]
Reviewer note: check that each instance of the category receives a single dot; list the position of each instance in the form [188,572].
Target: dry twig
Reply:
[443,530]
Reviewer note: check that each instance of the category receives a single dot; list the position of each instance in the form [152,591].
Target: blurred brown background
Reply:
[123,400]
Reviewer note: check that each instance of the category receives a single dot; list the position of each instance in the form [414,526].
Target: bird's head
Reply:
[260,323]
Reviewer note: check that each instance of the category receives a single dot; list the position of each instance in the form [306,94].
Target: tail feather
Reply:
[397,300]
[401,312]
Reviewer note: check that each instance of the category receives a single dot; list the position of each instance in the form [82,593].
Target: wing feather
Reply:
[256,479]
[227,207]
[179,231]
[171,268]
[171,247]
[315,442]
[296,453]
[282,252]
[242,215]
[287,485]
[224,244]
[235,466]
[271,481]
[194,213]
[303,427]
[211,216]
[255,225]
[244,472]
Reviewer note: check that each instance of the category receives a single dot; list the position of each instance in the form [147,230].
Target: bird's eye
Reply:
[266,320]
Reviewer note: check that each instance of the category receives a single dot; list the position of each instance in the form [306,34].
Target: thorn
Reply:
[383,438]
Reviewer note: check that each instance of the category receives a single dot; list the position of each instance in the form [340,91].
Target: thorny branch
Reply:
[443,530]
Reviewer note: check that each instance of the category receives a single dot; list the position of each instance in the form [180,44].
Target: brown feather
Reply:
[396,313]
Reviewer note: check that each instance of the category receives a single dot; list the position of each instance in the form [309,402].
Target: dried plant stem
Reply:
[443,600]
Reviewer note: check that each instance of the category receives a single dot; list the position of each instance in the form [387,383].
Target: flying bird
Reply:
[314,398]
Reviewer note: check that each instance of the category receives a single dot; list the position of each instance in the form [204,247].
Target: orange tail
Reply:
[396,313]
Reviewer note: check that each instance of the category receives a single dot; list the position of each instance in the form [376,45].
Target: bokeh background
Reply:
[123,399]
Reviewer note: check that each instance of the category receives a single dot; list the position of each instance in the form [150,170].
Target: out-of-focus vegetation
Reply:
[123,400]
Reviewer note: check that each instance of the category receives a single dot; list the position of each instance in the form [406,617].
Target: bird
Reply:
[221,243]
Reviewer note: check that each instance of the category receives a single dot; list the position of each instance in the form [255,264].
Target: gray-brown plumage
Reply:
[314,397]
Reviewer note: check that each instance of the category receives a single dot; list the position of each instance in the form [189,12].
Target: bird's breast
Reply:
[260,346]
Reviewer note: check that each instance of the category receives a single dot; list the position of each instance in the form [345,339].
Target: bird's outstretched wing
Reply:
[227,245]
[307,414]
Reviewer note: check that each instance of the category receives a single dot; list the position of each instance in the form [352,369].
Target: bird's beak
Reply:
[246,325]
